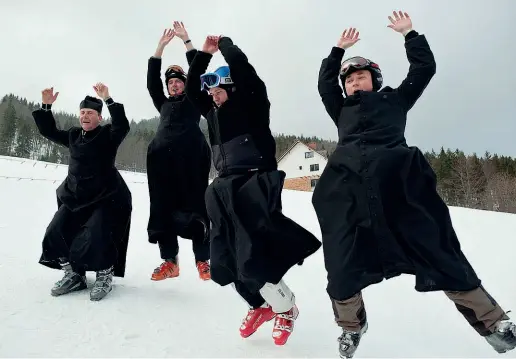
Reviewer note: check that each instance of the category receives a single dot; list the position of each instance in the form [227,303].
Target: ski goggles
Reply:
[356,62]
[175,68]
[212,79]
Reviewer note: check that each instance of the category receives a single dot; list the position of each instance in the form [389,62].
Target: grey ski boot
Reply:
[504,338]
[348,342]
[71,281]
[102,285]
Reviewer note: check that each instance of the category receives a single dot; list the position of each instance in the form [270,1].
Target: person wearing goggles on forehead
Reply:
[377,204]
[253,244]
[178,166]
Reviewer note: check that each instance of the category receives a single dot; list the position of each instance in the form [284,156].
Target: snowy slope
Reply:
[186,317]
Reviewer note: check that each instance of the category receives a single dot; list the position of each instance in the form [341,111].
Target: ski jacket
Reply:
[240,136]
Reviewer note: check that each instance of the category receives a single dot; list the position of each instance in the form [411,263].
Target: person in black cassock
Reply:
[178,166]
[253,244]
[90,230]
[376,201]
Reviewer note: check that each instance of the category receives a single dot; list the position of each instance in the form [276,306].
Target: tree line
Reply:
[487,182]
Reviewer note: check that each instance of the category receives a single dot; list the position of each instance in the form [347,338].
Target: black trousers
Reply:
[254,300]
[169,245]
[84,238]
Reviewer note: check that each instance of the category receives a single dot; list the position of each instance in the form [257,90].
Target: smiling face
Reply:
[359,80]
[89,119]
[219,95]
[175,86]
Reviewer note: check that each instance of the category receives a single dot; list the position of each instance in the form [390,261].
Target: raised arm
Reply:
[200,98]
[421,59]
[328,82]
[154,84]
[46,122]
[180,31]
[119,123]
[421,70]
[243,73]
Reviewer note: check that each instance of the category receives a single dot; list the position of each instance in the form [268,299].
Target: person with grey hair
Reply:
[90,230]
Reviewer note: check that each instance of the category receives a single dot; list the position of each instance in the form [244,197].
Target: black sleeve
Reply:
[190,55]
[328,83]
[119,123]
[422,69]
[46,124]
[199,98]
[154,84]
[243,73]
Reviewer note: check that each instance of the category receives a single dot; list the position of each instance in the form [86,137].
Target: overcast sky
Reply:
[469,104]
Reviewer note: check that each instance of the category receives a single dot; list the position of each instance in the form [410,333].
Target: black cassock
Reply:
[376,201]
[91,225]
[178,164]
[252,241]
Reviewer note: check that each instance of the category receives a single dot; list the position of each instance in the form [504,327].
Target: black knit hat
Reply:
[92,103]
[175,71]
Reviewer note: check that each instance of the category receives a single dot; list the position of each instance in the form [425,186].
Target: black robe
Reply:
[252,242]
[92,186]
[178,163]
[376,201]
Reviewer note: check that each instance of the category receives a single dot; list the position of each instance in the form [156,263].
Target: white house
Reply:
[301,160]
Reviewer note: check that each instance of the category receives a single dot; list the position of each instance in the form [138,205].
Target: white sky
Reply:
[469,104]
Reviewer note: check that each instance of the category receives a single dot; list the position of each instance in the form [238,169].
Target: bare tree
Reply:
[469,181]
[501,193]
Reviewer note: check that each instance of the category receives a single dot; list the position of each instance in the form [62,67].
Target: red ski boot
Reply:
[284,325]
[254,319]
[167,269]
[204,270]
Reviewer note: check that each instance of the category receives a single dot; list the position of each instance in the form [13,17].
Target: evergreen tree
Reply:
[8,130]
[24,146]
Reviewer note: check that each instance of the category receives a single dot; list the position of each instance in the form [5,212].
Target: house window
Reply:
[313,182]
[314,167]
[309,154]
[300,167]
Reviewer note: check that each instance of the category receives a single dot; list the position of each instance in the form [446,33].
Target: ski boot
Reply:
[254,319]
[168,269]
[348,342]
[284,325]
[71,281]
[102,285]
[203,267]
[504,337]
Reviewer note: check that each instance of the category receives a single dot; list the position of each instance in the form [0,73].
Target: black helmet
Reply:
[360,63]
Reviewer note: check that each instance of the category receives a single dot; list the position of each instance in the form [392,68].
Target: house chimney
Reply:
[312,145]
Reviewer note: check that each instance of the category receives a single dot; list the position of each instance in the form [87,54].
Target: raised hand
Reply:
[101,90]
[180,31]
[211,45]
[168,35]
[348,38]
[48,97]
[401,22]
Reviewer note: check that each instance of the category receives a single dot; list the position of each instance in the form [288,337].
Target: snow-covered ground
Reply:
[186,317]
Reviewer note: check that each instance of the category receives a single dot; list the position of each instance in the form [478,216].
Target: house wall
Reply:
[296,158]
[300,183]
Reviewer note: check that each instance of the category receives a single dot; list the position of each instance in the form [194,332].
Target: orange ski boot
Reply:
[254,319]
[203,267]
[284,325]
[167,269]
